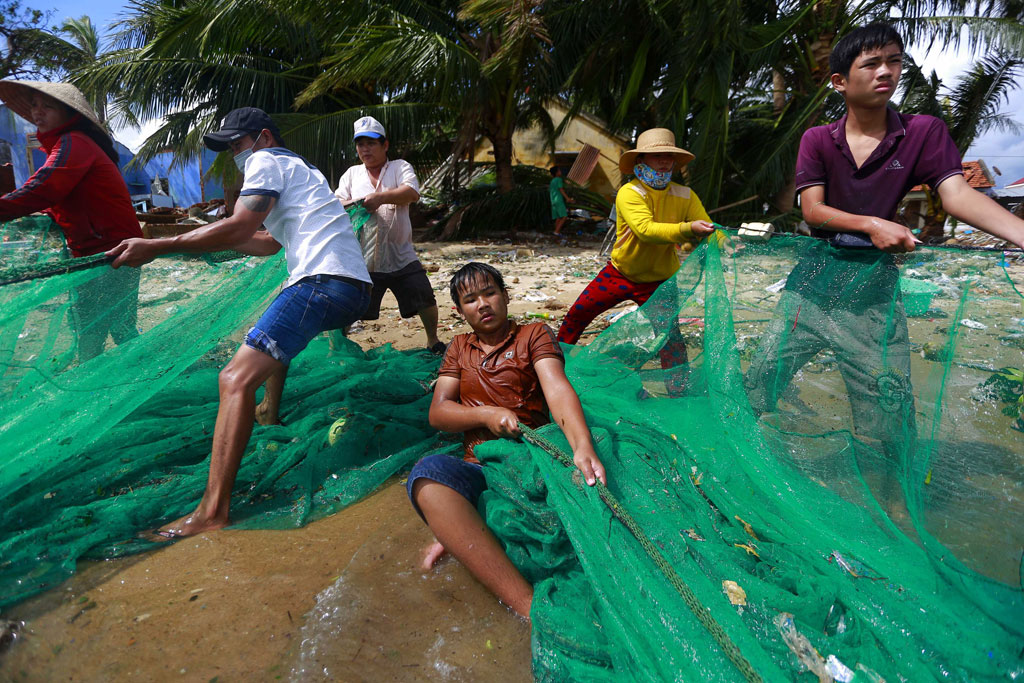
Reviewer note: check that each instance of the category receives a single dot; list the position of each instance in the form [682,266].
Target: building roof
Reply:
[976,174]
[1017,183]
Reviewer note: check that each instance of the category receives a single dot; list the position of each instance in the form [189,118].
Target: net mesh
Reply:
[838,484]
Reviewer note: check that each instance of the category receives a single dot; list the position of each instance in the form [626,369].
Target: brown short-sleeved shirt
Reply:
[504,377]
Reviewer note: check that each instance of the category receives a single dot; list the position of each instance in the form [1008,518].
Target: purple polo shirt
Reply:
[916,149]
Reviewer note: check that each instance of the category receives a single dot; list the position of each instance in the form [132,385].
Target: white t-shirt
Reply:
[307,219]
[395,250]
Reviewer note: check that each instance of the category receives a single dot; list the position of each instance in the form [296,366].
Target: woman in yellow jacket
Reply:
[654,215]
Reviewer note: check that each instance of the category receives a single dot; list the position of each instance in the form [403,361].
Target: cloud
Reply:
[132,138]
[997,148]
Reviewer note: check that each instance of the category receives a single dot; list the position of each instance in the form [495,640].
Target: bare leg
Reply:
[268,411]
[458,527]
[559,222]
[238,382]
[429,318]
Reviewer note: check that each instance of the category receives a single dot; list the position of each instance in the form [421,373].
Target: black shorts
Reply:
[410,286]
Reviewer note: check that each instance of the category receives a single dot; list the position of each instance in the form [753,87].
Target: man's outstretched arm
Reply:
[971,206]
[235,232]
[568,413]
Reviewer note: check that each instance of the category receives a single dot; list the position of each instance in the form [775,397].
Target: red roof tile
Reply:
[1015,183]
[975,173]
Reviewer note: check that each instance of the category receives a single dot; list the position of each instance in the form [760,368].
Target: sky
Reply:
[1002,151]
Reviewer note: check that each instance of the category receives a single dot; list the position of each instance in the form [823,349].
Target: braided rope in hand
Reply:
[729,648]
[9,276]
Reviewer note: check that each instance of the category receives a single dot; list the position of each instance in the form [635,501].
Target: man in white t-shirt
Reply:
[328,287]
[387,188]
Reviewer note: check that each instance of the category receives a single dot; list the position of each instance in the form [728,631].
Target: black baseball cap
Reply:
[237,124]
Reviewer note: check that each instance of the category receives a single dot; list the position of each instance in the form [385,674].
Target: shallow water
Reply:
[343,594]
[383,619]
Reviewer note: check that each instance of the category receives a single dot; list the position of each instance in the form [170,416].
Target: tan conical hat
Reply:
[18,96]
[654,141]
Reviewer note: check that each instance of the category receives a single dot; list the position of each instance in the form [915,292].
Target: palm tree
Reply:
[483,63]
[738,81]
[970,108]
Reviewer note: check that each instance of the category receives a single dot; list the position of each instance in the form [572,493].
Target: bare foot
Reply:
[432,554]
[190,525]
[264,416]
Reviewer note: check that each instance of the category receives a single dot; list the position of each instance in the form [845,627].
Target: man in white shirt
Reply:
[328,287]
[387,188]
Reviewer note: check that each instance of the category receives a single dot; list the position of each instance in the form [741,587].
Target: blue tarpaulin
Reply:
[185,177]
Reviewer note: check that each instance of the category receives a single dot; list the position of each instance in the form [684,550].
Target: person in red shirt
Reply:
[81,188]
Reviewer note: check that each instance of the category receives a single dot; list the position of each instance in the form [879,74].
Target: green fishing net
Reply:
[108,381]
[839,488]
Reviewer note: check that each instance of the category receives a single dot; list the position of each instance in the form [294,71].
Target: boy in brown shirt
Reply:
[490,380]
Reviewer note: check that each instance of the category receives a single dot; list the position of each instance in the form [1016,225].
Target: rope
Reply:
[24,273]
[961,247]
[703,615]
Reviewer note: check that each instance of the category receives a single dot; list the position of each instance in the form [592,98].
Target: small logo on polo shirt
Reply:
[894,166]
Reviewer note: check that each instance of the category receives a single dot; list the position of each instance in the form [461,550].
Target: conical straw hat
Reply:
[654,141]
[18,96]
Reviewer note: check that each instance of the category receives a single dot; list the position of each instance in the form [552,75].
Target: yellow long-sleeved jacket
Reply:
[649,223]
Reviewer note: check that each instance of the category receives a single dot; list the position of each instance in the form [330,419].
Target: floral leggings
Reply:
[608,289]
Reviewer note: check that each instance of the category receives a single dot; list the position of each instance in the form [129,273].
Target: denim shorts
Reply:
[466,478]
[300,312]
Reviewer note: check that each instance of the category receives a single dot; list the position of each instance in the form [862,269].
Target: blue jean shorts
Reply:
[466,478]
[301,311]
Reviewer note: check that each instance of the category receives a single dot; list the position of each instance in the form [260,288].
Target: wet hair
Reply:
[851,45]
[471,273]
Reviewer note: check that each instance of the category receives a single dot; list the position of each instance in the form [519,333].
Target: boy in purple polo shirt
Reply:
[843,293]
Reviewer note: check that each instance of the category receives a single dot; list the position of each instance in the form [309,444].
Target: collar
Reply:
[380,174]
[474,340]
[48,139]
[895,129]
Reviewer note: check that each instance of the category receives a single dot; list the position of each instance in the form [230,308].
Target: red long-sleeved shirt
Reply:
[81,189]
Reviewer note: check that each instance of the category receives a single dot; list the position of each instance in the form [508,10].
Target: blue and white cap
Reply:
[368,127]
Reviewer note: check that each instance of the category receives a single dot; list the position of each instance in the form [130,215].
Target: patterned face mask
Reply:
[659,180]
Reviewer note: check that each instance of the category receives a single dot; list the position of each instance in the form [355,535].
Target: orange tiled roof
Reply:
[975,173]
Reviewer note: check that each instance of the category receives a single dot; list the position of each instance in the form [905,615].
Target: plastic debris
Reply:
[776,287]
[973,324]
[801,647]
[839,671]
[537,296]
[615,316]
